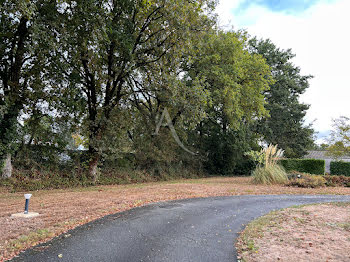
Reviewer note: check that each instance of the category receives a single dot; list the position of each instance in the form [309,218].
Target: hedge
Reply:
[340,168]
[311,166]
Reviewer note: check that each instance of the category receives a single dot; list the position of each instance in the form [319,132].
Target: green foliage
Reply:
[306,180]
[244,167]
[97,75]
[235,78]
[225,151]
[39,178]
[268,175]
[340,138]
[340,168]
[323,146]
[2,164]
[121,55]
[312,166]
[235,81]
[25,40]
[285,125]
[257,156]
[267,156]
[23,47]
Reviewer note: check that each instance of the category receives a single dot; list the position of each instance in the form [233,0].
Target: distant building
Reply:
[323,155]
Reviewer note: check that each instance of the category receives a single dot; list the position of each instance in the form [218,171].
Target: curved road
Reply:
[198,230]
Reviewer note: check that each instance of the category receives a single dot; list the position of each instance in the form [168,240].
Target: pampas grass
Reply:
[271,172]
[268,175]
[272,155]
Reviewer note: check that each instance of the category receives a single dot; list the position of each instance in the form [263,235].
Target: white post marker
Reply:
[26,206]
[26,213]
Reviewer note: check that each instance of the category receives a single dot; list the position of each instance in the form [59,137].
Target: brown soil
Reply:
[62,210]
[310,233]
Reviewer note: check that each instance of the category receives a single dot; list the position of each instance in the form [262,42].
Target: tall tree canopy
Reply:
[108,48]
[23,48]
[285,126]
[236,81]
[104,72]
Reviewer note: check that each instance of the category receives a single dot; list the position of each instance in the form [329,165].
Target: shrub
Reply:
[311,166]
[294,174]
[244,167]
[271,174]
[340,168]
[306,180]
[266,156]
[337,180]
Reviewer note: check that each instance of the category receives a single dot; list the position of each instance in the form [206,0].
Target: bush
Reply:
[337,180]
[271,174]
[244,167]
[38,179]
[340,168]
[294,174]
[311,166]
[306,180]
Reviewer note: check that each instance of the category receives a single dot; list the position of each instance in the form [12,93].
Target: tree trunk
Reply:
[7,167]
[93,167]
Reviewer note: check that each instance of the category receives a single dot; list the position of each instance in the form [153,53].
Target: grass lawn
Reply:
[62,210]
[309,233]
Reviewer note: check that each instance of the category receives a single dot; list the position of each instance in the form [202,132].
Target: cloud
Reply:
[318,36]
[225,10]
[286,6]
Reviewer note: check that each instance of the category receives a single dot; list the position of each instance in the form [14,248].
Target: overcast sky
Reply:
[317,31]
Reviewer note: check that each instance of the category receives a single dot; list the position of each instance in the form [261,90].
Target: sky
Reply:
[317,31]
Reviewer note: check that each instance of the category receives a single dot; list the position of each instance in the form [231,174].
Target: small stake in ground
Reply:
[26,213]
[26,206]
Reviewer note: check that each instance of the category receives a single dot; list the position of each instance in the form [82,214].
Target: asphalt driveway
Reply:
[198,230]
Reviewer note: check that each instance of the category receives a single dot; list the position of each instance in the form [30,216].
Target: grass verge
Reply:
[316,232]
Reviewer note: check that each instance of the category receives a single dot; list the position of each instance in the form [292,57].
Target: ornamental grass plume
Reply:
[272,155]
[270,172]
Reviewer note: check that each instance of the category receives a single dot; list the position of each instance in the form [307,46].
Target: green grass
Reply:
[345,226]
[30,239]
[268,175]
[254,230]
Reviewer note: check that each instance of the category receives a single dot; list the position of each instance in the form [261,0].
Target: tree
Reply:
[185,106]
[23,49]
[285,125]
[235,81]
[108,47]
[340,138]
